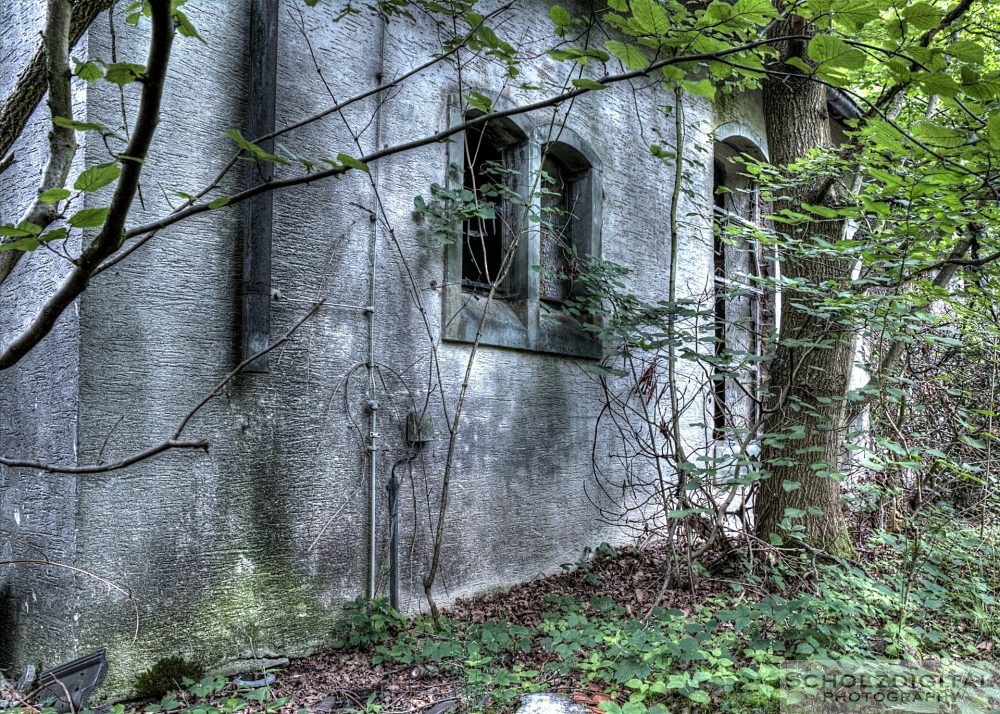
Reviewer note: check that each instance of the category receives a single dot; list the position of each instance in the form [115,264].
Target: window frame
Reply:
[727,148]
[586,181]
[511,146]
[519,319]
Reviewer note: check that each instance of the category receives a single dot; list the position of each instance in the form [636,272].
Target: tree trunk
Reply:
[808,379]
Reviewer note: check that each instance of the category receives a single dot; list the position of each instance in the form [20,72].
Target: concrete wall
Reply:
[38,397]
[252,546]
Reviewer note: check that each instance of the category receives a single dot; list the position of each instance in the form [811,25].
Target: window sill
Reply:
[516,324]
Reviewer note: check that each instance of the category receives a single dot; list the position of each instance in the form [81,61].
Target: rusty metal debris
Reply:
[67,687]
[443,706]
[266,681]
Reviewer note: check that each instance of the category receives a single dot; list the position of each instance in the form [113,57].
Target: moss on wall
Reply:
[265,609]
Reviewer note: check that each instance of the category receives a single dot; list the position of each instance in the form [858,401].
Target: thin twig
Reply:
[175,441]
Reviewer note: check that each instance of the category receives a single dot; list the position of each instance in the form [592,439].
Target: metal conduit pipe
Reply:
[373,404]
[257,241]
[393,489]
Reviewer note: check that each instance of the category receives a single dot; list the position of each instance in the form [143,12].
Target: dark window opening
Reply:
[557,249]
[486,234]
[719,379]
[510,224]
[719,275]
[719,181]
[738,296]
[568,201]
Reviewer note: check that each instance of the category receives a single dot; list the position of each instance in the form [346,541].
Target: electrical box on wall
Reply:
[419,428]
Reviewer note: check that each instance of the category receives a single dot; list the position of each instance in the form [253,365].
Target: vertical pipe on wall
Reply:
[257,216]
[373,268]
[393,489]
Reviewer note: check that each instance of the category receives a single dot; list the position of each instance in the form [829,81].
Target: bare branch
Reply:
[887,367]
[44,561]
[168,445]
[554,100]
[947,21]
[382,87]
[111,236]
[338,107]
[175,441]
[238,368]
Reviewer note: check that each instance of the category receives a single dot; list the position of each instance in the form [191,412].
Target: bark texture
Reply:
[112,233]
[808,380]
[48,69]
[32,82]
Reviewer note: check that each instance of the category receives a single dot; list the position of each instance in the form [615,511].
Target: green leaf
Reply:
[122,73]
[584,83]
[53,195]
[478,100]
[30,243]
[937,83]
[54,234]
[98,176]
[790,486]
[700,696]
[972,441]
[967,51]
[834,52]
[799,64]
[135,10]
[759,12]
[88,71]
[185,28]
[993,129]
[630,55]
[631,668]
[581,56]
[871,464]
[21,230]
[25,245]
[253,149]
[854,14]
[560,16]
[701,88]
[89,218]
[939,135]
[650,16]
[219,202]
[922,15]
[819,210]
[78,125]
[350,161]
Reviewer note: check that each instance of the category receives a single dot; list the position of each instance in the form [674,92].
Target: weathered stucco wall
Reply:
[38,397]
[253,545]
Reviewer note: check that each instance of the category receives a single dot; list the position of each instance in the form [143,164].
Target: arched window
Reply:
[535,219]
[743,307]
[566,227]
[556,249]
[492,162]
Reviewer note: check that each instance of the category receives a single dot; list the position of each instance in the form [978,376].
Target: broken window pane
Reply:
[483,249]
[557,231]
